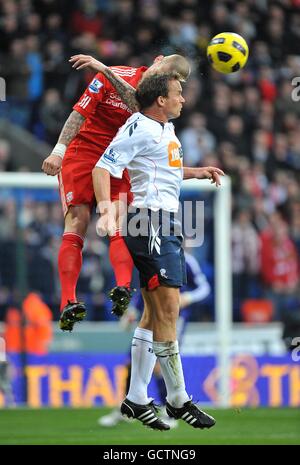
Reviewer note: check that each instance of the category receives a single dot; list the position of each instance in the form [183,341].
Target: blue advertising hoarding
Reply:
[87,379]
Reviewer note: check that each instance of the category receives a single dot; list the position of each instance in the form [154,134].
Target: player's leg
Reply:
[137,404]
[70,263]
[122,265]
[70,253]
[119,254]
[77,198]
[142,358]
[160,383]
[162,394]
[165,304]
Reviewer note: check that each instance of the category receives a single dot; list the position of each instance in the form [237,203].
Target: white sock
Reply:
[143,360]
[171,368]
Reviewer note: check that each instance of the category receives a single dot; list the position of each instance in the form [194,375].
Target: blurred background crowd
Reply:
[247,123]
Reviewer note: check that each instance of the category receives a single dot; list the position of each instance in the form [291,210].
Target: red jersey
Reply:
[104,114]
[103,109]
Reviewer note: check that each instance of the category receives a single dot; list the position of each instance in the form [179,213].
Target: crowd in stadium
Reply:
[246,123]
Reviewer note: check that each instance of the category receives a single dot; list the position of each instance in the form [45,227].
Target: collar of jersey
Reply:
[159,122]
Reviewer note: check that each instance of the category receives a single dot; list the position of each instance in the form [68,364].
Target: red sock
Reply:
[69,266]
[121,260]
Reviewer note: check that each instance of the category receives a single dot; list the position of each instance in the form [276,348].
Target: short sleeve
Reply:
[129,142]
[92,95]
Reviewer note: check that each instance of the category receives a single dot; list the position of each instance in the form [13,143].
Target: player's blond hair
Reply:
[179,64]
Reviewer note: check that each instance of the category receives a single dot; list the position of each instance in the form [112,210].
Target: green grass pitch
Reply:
[79,426]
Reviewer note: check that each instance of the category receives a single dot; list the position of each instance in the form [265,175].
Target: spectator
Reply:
[279,266]
[86,18]
[53,115]
[56,68]
[245,258]
[196,140]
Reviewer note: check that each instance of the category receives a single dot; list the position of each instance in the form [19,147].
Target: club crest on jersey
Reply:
[110,156]
[69,196]
[95,86]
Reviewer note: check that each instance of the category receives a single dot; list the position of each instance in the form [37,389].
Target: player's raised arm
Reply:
[125,90]
[52,163]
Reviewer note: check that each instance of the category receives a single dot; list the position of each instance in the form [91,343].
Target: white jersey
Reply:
[152,155]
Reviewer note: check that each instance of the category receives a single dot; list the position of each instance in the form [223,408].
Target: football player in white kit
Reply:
[148,147]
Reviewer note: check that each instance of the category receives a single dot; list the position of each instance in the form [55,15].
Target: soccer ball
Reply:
[227,52]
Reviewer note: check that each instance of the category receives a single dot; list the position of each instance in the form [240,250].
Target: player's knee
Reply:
[77,220]
[146,321]
[167,314]
[147,317]
[79,225]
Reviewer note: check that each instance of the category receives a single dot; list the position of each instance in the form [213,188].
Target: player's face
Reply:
[174,101]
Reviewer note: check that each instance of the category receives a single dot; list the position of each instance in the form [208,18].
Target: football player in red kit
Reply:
[105,105]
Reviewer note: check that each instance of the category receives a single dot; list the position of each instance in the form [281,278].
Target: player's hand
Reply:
[86,61]
[212,173]
[106,225]
[52,165]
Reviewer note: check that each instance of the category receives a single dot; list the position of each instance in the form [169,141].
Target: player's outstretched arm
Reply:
[125,90]
[52,164]
[206,172]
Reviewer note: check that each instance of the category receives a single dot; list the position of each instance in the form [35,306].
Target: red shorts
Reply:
[76,183]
